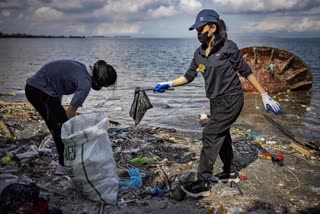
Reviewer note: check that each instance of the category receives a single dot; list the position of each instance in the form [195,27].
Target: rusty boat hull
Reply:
[276,69]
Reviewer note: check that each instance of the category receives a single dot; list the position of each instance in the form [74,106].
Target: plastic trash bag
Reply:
[88,156]
[140,105]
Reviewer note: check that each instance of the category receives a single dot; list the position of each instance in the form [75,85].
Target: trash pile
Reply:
[152,164]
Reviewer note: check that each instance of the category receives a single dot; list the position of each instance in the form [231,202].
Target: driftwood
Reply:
[298,145]
[301,149]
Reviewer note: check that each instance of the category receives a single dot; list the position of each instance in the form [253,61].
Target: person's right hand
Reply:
[270,104]
[162,86]
[71,111]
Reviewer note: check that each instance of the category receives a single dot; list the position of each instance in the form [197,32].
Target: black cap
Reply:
[205,16]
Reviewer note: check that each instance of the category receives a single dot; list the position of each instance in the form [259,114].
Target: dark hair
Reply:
[220,35]
[103,74]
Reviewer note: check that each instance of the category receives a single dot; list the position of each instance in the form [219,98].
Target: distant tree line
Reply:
[23,35]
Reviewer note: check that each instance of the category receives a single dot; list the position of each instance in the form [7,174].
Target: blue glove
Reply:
[162,86]
[270,104]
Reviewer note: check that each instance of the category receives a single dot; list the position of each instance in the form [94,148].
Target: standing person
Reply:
[45,89]
[218,59]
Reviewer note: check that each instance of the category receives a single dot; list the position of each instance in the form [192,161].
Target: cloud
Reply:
[162,11]
[265,6]
[190,6]
[288,24]
[11,4]
[135,17]
[116,28]
[124,6]
[47,13]
[124,10]
[77,6]
[308,24]
[6,13]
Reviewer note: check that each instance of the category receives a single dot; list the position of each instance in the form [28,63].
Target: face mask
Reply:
[203,38]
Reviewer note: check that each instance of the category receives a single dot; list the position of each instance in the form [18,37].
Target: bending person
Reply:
[45,89]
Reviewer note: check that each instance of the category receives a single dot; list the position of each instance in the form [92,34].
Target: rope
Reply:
[174,110]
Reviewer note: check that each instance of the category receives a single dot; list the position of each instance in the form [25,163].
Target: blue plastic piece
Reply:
[253,135]
[135,181]
[159,192]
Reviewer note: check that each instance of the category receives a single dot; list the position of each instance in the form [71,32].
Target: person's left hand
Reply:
[162,86]
[270,104]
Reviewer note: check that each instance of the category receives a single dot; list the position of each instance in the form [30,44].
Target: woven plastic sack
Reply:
[88,157]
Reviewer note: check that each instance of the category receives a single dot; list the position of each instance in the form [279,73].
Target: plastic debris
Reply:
[228,191]
[6,179]
[140,105]
[140,161]
[274,157]
[135,181]
[271,142]
[243,176]
[316,190]
[159,192]
[6,160]
[27,155]
[204,118]
[255,136]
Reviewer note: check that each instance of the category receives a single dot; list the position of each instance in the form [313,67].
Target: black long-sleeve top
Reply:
[220,72]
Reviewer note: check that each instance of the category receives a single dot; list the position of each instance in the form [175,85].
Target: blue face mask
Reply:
[203,38]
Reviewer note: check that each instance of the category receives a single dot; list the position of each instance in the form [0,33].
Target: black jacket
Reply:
[220,72]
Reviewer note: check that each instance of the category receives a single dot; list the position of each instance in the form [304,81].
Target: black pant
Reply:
[52,112]
[216,138]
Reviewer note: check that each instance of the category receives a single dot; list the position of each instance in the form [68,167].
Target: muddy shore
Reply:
[290,187]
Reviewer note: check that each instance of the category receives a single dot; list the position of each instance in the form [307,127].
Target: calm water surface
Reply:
[144,62]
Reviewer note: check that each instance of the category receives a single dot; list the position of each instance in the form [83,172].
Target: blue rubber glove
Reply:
[162,86]
[270,104]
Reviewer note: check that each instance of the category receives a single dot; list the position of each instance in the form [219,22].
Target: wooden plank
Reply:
[5,129]
[301,150]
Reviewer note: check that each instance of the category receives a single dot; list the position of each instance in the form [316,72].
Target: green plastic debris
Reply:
[140,161]
[6,160]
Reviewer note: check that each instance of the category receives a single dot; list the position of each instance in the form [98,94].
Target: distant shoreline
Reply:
[23,35]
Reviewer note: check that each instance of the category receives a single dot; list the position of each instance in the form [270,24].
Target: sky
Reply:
[158,18]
